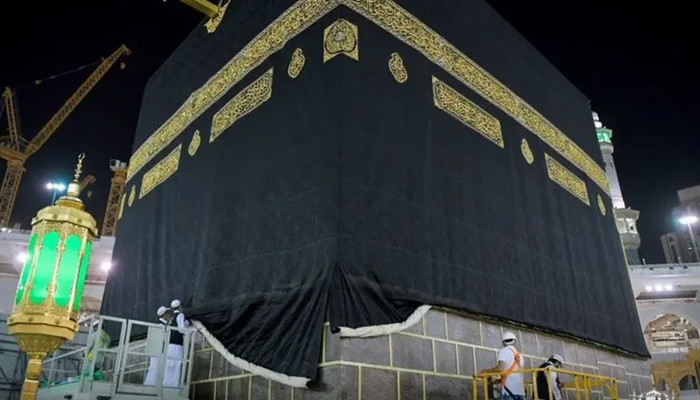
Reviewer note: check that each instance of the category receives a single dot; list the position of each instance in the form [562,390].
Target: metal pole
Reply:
[692,242]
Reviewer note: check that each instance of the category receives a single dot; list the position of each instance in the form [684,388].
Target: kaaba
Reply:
[343,171]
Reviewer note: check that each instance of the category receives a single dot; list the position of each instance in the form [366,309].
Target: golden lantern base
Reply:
[38,336]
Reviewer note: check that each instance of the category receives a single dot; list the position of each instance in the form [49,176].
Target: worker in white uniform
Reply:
[510,363]
[179,326]
[548,380]
[182,321]
[153,365]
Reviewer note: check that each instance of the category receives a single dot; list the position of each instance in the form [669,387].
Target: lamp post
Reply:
[689,220]
[51,285]
[55,188]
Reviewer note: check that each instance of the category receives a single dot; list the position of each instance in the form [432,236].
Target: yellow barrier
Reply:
[582,383]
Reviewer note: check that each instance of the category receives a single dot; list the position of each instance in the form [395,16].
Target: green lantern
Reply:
[52,281]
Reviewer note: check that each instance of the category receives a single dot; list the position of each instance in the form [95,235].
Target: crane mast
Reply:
[115,199]
[14,150]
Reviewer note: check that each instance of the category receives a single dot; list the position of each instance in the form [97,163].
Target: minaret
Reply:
[625,218]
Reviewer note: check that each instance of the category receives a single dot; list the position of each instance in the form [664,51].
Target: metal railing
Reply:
[581,383]
[109,366]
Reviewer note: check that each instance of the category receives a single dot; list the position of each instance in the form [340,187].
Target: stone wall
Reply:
[433,360]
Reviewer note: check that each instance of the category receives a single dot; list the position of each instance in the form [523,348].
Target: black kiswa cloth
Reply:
[349,197]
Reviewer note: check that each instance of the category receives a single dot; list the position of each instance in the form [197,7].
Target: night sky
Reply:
[636,64]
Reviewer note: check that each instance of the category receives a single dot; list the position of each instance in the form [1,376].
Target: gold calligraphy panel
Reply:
[466,112]
[160,172]
[404,26]
[241,104]
[566,179]
[297,18]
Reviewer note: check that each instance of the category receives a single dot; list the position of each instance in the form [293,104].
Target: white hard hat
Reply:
[162,310]
[508,337]
[557,358]
[175,303]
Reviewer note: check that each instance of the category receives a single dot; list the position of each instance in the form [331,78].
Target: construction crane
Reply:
[114,201]
[86,181]
[15,149]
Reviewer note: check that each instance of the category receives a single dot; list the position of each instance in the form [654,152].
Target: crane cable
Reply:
[40,81]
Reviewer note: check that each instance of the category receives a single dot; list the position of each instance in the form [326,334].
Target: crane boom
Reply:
[86,181]
[12,125]
[47,130]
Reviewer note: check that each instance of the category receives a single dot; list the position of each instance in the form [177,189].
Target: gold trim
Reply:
[601,205]
[297,18]
[132,195]
[402,25]
[566,179]
[397,69]
[410,30]
[296,64]
[160,172]
[194,143]
[466,112]
[121,207]
[527,153]
[241,104]
[341,37]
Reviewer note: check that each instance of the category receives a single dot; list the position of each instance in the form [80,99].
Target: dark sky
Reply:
[635,62]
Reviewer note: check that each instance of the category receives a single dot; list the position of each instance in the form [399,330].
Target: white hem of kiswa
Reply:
[379,330]
[296,381]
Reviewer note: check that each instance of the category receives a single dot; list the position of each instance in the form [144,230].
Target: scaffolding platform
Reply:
[113,362]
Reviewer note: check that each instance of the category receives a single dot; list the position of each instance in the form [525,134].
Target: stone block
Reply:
[645,384]
[378,384]
[221,390]
[630,364]
[549,345]
[412,352]
[416,328]
[435,324]
[443,388]
[280,392]
[586,355]
[633,382]
[445,357]
[491,335]
[204,391]
[325,387]
[623,390]
[220,367]
[605,370]
[465,355]
[528,343]
[463,329]
[238,388]
[349,378]
[484,359]
[618,373]
[259,388]
[570,355]
[411,386]
[332,350]
[607,357]
[201,365]
[644,367]
[374,350]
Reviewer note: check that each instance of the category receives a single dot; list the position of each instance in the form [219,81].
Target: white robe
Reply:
[173,363]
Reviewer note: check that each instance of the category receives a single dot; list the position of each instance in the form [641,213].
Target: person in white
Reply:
[510,364]
[179,326]
[153,365]
[176,307]
[548,380]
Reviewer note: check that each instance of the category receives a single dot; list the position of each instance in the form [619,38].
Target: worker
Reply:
[510,362]
[548,379]
[153,364]
[176,307]
[179,326]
